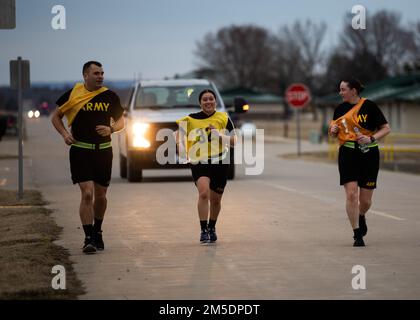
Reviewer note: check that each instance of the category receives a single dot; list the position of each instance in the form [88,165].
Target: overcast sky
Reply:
[154,38]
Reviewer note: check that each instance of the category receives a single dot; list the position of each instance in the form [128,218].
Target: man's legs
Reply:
[100,202]
[86,215]
[99,207]
[86,203]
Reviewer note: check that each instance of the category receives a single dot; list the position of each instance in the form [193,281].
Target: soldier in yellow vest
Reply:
[358,123]
[93,113]
[207,137]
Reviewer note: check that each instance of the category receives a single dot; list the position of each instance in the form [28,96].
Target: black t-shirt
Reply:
[98,111]
[370,116]
[202,115]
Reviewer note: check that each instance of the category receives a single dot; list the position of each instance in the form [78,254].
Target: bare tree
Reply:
[239,55]
[363,65]
[299,52]
[384,37]
[416,36]
[416,48]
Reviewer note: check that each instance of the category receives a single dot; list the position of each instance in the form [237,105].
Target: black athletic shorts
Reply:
[217,173]
[354,165]
[91,165]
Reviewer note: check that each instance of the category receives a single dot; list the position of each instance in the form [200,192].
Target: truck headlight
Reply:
[139,135]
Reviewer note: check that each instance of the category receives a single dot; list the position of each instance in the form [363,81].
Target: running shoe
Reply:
[212,235]
[204,236]
[89,245]
[99,242]
[358,242]
[358,238]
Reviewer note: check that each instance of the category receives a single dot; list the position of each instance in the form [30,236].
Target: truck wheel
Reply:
[123,166]
[134,173]
[231,169]
[231,172]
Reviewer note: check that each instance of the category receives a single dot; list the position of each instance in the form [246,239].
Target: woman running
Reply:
[358,123]
[207,136]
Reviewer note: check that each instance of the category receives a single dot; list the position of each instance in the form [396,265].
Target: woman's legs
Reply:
[365,200]
[203,187]
[209,200]
[353,212]
[215,204]
[352,203]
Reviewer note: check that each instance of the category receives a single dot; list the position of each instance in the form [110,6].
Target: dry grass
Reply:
[27,251]
[31,197]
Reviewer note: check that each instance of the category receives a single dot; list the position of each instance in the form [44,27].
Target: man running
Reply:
[93,113]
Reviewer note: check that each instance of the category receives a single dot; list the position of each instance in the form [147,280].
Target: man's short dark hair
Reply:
[87,65]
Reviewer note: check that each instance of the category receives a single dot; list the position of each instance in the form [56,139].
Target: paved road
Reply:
[283,234]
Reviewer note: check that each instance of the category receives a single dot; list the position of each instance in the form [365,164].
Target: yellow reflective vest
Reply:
[196,136]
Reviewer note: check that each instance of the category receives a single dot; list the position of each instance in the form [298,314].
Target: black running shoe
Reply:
[212,235]
[358,242]
[358,238]
[89,246]
[99,242]
[204,236]
[362,225]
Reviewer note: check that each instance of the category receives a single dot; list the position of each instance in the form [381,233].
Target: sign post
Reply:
[7,14]
[19,80]
[298,96]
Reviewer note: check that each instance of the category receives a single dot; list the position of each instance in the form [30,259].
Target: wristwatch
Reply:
[372,139]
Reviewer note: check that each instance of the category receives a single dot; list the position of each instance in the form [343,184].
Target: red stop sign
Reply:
[298,95]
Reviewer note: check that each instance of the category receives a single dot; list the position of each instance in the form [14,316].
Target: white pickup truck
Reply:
[155,105]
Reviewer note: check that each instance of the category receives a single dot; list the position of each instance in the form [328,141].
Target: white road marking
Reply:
[284,188]
[324,199]
[387,215]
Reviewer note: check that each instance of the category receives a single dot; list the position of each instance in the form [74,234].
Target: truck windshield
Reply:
[169,97]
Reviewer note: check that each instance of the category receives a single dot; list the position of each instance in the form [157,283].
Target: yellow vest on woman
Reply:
[196,133]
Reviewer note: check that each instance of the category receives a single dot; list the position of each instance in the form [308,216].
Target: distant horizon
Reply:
[124,83]
[64,82]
